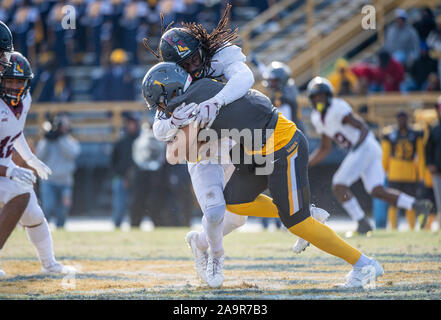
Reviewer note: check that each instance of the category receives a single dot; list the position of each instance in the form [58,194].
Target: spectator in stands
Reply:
[96,12]
[122,168]
[433,82]
[425,24]
[25,20]
[344,81]
[117,83]
[433,156]
[134,13]
[402,40]
[421,69]
[367,75]
[59,150]
[390,73]
[434,43]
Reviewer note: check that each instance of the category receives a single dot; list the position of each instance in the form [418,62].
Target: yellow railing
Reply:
[109,115]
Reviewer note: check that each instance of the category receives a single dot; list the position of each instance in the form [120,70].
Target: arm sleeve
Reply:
[239,80]
[163,130]
[22,147]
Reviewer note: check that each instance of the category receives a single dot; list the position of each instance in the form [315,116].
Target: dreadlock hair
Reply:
[220,38]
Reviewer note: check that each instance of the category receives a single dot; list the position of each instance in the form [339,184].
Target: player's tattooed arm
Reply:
[321,152]
[355,122]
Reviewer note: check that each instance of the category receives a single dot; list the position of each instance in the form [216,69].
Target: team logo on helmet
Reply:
[18,68]
[179,46]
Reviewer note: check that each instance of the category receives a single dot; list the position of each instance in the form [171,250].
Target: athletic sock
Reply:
[214,237]
[411,218]
[392,214]
[231,222]
[40,237]
[354,209]
[405,201]
[325,239]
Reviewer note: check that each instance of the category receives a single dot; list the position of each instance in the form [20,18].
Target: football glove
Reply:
[21,175]
[43,170]
[207,112]
[183,115]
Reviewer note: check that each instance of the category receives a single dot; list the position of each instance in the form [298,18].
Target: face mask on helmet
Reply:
[5,61]
[163,82]
[13,89]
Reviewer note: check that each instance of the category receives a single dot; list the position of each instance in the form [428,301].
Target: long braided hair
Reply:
[220,38]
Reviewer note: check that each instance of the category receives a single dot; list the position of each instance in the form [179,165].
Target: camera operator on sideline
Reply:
[58,149]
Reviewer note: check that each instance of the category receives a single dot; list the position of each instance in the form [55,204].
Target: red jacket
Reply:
[391,76]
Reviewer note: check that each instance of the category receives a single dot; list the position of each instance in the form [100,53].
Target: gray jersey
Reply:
[252,111]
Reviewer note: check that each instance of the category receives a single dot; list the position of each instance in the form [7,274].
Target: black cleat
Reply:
[423,207]
[364,226]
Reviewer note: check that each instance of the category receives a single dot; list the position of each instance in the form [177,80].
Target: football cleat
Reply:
[200,257]
[215,276]
[422,206]
[58,268]
[2,273]
[363,277]
[364,226]
[319,215]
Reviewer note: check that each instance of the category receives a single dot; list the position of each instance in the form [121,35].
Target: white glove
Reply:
[183,115]
[22,175]
[207,112]
[43,170]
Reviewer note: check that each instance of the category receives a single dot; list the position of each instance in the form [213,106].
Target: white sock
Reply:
[353,208]
[232,222]
[405,201]
[363,261]
[214,237]
[40,237]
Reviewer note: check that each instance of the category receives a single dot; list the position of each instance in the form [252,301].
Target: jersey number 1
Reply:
[7,145]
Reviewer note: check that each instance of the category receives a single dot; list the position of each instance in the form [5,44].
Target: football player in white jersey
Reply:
[16,182]
[206,55]
[333,119]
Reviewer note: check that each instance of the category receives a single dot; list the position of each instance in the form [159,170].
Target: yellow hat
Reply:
[118,56]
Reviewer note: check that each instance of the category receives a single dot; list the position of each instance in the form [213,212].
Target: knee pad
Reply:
[215,215]
[33,215]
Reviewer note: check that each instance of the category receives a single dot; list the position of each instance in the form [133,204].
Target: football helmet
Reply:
[19,68]
[320,85]
[276,75]
[177,45]
[161,83]
[6,46]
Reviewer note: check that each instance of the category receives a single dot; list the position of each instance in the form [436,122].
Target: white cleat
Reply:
[2,273]
[59,268]
[363,277]
[215,276]
[319,215]
[200,257]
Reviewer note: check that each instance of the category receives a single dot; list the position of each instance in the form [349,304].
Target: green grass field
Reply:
[159,265]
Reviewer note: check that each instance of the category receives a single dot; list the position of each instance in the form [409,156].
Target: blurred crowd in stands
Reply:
[409,61]
[100,27]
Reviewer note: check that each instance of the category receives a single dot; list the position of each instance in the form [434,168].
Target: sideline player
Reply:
[285,149]
[333,119]
[403,156]
[16,183]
